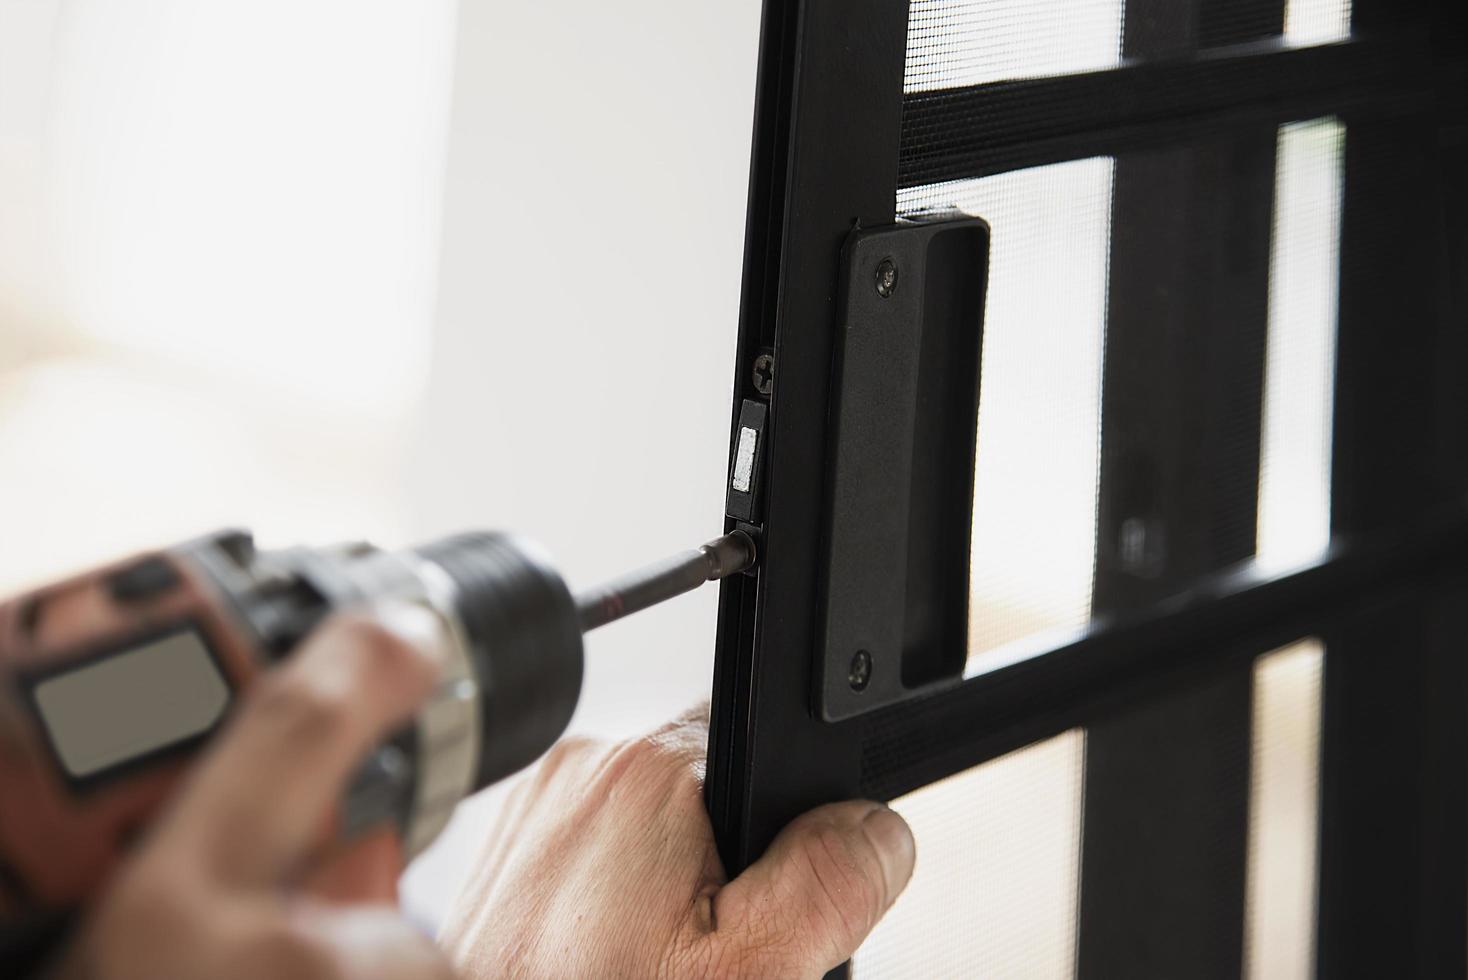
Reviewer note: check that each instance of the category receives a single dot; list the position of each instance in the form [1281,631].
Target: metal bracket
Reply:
[905,417]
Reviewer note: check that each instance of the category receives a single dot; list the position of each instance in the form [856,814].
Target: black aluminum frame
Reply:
[830,119]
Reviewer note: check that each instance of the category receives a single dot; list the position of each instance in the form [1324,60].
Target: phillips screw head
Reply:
[764,374]
[886,278]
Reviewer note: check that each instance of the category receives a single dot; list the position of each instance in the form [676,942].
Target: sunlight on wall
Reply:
[253,187]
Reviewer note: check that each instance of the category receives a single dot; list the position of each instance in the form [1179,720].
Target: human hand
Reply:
[603,865]
[230,884]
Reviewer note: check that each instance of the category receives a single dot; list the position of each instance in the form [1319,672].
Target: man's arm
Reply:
[602,864]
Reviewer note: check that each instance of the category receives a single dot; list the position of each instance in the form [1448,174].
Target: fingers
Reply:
[374,944]
[364,869]
[261,799]
[807,905]
[695,716]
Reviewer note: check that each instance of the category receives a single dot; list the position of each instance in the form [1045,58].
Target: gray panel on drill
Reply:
[146,698]
[895,611]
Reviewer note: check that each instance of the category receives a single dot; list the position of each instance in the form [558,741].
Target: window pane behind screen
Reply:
[995,889]
[1037,454]
[1283,814]
[1294,475]
[1034,527]
[1317,21]
[1294,527]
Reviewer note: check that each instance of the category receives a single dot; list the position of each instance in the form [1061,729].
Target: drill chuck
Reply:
[524,641]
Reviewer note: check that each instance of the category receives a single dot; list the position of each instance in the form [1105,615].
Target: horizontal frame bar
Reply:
[1227,619]
[954,134]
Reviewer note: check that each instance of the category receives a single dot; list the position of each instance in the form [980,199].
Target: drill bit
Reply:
[646,587]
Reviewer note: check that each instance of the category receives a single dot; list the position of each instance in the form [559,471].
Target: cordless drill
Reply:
[111,681]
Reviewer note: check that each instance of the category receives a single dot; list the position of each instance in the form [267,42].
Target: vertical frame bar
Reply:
[1394,790]
[1165,846]
[1166,812]
[831,78]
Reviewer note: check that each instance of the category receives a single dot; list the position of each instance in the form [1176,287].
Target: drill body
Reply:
[110,683]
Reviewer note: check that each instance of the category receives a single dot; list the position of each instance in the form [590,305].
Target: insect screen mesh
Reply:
[952,43]
[1038,455]
[994,893]
[1034,525]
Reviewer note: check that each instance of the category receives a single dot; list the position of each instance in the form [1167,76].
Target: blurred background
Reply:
[372,269]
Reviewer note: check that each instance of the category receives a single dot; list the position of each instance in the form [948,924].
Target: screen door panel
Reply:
[1211,707]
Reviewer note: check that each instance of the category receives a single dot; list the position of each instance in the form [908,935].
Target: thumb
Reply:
[807,905]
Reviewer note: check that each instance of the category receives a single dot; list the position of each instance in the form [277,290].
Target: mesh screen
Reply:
[1055,228]
[968,42]
[1035,480]
[994,892]
[953,43]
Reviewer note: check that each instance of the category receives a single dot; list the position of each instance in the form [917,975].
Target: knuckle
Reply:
[572,747]
[148,901]
[287,952]
[562,762]
[650,769]
[291,702]
[567,752]
[377,649]
[672,756]
[645,752]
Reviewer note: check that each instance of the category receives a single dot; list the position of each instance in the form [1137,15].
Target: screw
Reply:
[764,374]
[886,278]
[860,674]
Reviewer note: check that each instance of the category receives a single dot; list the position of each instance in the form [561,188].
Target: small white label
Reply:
[744,459]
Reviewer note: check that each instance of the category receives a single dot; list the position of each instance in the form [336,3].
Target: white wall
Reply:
[582,361]
[218,241]
[221,227]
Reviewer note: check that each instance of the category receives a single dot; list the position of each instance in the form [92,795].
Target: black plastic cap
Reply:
[526,642]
